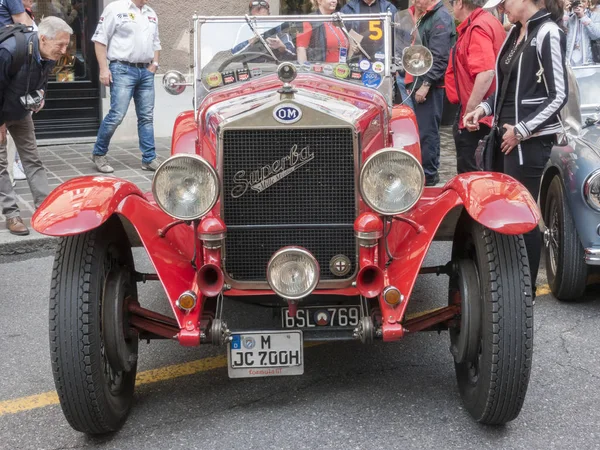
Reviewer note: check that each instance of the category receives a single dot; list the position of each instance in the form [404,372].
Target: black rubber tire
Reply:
[567,278]
[495,396]
[76,344]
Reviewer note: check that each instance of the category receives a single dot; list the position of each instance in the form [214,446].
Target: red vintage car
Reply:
[295,183]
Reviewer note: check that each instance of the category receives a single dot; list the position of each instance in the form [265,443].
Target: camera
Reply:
[33,100]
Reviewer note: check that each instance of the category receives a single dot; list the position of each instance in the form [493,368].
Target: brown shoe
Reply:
[16,226]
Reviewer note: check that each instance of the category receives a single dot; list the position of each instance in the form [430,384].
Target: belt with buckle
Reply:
[138,65]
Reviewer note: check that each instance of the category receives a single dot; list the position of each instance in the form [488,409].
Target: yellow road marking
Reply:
[26,403]
[542,290]
[21,404]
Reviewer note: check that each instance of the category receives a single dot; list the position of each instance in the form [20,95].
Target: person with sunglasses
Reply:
[276,39]
[531,89]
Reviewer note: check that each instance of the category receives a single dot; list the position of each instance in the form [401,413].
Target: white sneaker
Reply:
[18,172]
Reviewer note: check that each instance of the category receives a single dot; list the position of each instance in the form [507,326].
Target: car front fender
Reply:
[497,201]
[81,204]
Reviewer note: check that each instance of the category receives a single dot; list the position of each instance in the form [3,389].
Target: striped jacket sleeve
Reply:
[551,46]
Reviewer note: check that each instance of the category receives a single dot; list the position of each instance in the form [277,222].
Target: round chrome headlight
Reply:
[185,187]
[293,273]
[591,190]
[391,181]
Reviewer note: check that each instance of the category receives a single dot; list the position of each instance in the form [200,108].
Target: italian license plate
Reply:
[265,354]
[321,316]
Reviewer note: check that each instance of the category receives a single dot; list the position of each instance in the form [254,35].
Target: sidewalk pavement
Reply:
[67,161]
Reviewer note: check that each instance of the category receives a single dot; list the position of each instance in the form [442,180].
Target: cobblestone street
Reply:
[72,160]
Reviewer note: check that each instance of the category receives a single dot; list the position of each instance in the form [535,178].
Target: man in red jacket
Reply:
[470,73]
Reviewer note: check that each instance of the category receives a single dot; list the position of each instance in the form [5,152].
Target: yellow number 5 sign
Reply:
[375,29]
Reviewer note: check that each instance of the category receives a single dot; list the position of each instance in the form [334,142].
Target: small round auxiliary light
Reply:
[293,273]
[287,72]
[187,301]
[392,295]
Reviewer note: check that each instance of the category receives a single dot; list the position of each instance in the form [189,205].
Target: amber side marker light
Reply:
[392,295]
[187,301]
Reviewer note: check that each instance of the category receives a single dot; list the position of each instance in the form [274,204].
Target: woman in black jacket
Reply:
[531,73]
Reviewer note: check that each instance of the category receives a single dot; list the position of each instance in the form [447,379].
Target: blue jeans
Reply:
[408,101]
[129,82]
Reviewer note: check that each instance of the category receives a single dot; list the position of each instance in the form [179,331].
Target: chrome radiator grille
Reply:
[287,187]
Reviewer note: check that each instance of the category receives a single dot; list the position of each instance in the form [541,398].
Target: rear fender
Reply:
[185,134]
[81,204]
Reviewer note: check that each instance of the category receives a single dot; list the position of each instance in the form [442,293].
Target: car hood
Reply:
[318,98]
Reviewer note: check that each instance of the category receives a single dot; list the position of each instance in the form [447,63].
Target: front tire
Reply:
[493,379]
[565,259]
[92,273]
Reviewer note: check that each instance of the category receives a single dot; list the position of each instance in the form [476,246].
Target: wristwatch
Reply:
[155,63]
[518,134]
[426,83]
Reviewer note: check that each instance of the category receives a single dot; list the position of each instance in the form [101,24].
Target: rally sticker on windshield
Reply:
[371,79]
[342,71]
[243,74]
[214,79]
[378,67]
[228,77]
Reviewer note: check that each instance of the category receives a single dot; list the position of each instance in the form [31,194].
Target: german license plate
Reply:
[265,354]
[321,316]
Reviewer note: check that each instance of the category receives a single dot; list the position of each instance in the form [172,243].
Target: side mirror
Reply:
[417,60]
[174,82]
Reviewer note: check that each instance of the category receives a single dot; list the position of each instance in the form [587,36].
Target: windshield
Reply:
[354,48]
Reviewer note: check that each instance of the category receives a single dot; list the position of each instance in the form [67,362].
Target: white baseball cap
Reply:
[492,4]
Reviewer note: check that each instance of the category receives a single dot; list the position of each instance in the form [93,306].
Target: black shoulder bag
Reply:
[484,153]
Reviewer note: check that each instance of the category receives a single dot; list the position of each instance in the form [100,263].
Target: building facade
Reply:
[76,102]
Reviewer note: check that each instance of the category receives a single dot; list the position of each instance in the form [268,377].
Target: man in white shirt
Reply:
[127,48]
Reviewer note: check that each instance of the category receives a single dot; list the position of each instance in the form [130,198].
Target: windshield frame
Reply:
[385,87]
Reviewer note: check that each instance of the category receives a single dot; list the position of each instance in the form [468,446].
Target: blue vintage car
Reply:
[570,190]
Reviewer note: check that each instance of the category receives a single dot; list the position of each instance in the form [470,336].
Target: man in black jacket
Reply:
[437,32]
[21,93]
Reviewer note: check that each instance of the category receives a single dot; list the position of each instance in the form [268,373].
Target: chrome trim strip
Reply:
[211,237]
[592,256]
[368,234]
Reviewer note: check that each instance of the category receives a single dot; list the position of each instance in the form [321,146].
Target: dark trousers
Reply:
[23,133]
[526,165]
[466,142]
[429,117]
